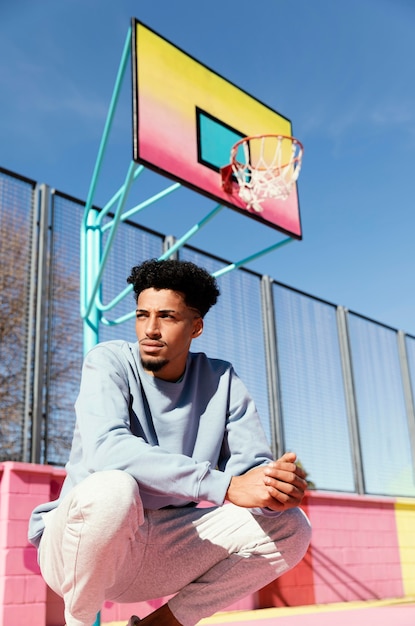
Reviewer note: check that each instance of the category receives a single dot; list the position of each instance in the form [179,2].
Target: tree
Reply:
[14,262]
[62,349]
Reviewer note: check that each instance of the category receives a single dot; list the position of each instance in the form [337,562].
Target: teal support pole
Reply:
[248,259]
[117,196]
[99,268]
[91,315]
[91,233]
[180,242]
[91,244]
[111,112]
[143,205]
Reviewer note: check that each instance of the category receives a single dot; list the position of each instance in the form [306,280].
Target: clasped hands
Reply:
[277,486]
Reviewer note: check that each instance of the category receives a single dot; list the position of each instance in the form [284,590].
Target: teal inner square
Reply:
[215,140]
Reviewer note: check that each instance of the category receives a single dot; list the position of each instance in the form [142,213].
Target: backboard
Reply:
[186,118]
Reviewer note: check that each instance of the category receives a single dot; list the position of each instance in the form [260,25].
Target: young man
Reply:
[158,430]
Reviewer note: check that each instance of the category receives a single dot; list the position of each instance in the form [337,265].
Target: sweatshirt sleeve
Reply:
[245,443]
[106,442]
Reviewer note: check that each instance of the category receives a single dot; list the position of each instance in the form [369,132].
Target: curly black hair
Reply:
[199,288]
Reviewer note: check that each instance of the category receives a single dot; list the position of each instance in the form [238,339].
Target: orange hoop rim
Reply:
[284,174]
[294,141]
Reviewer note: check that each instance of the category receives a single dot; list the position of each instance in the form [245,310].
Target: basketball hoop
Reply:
[264,166]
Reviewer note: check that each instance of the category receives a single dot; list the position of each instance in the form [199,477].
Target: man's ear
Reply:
[197,327]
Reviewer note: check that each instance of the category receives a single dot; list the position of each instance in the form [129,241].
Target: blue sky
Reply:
[342,72]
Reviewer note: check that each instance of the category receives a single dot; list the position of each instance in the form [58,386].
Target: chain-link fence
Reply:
[332,385]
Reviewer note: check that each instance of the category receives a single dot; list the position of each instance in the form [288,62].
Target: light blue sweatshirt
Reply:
[182,441]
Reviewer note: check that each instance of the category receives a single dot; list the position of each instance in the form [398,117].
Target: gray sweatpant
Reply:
[100,544]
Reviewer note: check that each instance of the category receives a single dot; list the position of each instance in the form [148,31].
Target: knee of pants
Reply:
[108,496]
[299,537]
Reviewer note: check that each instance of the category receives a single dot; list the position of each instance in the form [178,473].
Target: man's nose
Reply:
[153,327]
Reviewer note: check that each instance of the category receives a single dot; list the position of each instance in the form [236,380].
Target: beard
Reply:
[153,365]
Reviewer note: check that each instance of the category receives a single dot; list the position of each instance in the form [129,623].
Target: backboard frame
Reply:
[282,215]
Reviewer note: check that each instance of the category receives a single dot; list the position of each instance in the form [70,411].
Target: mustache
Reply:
[152,342]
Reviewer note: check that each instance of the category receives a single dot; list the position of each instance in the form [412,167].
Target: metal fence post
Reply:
[34,393]
[351,406]
[408,392]
[272,367]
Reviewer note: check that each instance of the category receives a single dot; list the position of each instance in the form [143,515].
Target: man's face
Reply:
[165,327]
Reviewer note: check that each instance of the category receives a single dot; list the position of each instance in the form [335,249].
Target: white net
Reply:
[266,166]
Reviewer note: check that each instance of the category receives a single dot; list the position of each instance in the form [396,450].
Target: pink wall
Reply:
[355,548]
[23,594]
[354,554]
